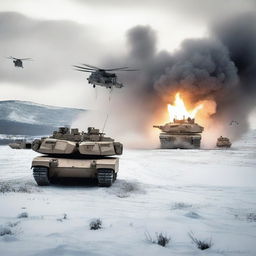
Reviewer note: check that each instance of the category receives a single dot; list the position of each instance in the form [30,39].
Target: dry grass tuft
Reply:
[161,239]
[200,244]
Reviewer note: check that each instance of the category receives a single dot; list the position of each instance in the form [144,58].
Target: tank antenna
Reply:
[105,123]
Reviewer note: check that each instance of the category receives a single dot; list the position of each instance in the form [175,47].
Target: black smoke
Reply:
[239,36]
[219,68]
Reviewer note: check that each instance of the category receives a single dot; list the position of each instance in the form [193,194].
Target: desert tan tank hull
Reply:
[183,134]
[46,169]
[182,141]
[223,144]
[16,145]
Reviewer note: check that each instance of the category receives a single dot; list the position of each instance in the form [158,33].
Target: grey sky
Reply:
[59,33]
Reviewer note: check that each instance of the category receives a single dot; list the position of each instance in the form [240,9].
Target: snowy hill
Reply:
[28,118]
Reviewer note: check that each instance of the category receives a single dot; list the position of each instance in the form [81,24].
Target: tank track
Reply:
[41,176]
[105,177]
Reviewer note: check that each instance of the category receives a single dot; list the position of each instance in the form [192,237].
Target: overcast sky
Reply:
[60,33]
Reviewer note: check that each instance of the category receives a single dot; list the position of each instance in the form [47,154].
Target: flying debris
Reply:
[18,63]
[233,122]
[102,77]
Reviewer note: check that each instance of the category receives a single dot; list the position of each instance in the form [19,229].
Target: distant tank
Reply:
[74,154]
[20,144]
[223,142]
[182,134]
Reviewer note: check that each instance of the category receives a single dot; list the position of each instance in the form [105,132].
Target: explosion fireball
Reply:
[178,111]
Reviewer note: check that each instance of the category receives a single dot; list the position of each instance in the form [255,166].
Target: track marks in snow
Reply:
[19,186]
[122,188]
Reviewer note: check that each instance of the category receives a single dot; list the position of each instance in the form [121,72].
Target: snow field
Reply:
[209,192]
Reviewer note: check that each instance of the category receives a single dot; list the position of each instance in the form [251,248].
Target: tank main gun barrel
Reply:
[158,126]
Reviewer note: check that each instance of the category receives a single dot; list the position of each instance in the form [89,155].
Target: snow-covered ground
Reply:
[209,192]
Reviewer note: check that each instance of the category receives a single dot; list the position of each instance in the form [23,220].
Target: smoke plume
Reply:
[218,71]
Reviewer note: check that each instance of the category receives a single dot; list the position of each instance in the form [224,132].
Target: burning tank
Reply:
[182,134]
[223,142]
[73,154]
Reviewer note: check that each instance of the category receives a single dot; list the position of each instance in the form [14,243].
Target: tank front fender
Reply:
[45,162]
[110,163]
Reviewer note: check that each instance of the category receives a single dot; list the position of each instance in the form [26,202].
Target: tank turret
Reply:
[223,142]
[68,141]
[183,133]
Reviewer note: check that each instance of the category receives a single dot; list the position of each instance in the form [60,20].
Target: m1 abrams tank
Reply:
[182,134]
[20,144]
[223,142]
[73,154]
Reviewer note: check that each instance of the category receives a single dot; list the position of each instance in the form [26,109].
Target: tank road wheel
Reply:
[105,177]
[41,176]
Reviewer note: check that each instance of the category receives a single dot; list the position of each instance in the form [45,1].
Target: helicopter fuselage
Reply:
[18,63]
[105,79]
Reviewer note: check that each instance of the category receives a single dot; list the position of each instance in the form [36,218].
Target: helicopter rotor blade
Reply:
[84,68]
[128,70]
[90,66]
[113,69]
[94,68]
[11,58]
[26,59]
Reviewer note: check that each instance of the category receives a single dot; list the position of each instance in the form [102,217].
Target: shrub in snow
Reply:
[23,215]
[5,231]
[161,239]
[95,224]
[200,244]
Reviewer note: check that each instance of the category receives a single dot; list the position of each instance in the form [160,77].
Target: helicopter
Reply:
[18,62]
[102,77]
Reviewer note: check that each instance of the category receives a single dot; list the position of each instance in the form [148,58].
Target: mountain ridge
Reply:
[30,118]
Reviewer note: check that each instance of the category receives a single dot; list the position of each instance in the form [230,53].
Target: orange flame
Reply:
[179,111]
